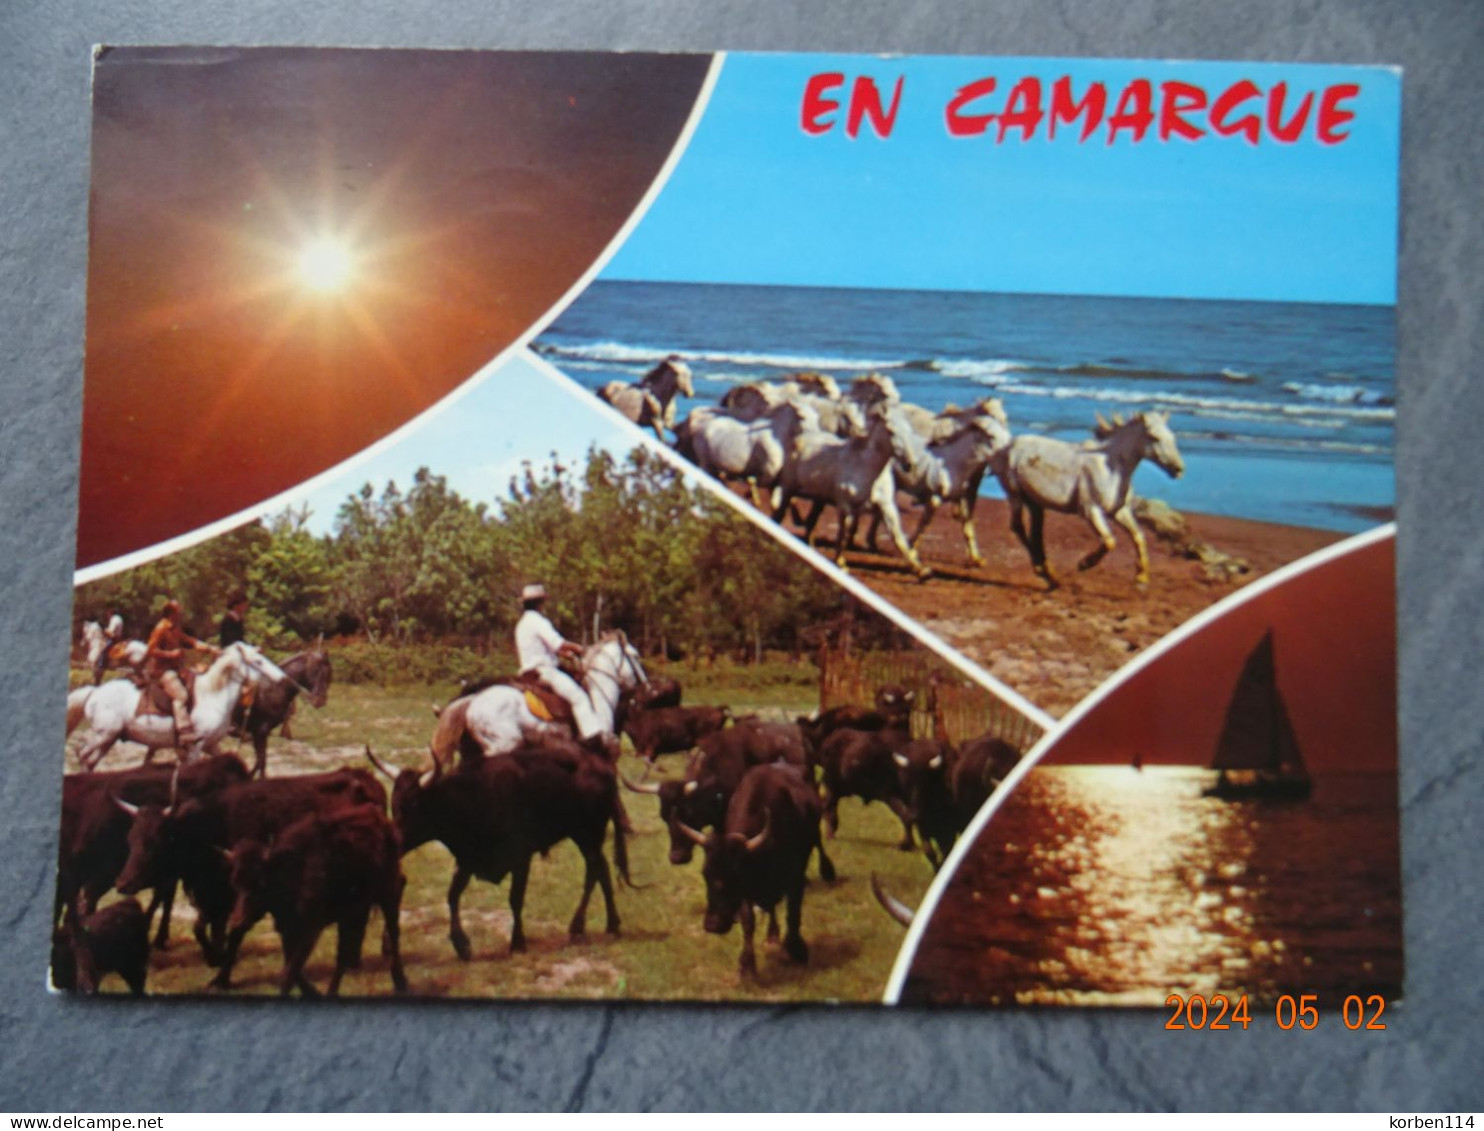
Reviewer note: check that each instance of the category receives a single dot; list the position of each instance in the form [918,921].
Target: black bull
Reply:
[494,815]
[189,842]
[759,856]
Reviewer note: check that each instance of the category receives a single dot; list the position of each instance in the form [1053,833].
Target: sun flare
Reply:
[326,266]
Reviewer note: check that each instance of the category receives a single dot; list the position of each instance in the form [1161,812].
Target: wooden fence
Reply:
[968,709]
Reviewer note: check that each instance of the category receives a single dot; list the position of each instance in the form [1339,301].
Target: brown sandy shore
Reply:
[1054,647]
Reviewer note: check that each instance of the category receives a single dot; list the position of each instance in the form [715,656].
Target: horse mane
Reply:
[1104,428]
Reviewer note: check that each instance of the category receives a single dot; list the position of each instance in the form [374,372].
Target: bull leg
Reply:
[1094,515]
[295,956]
[826,865]
[391,938]
[456,933]
[831,807]
[260,754]
[773,924]
[605,883]
[793,942]
[747,965]
[871,533]
[518,877]
[577,929]
[904,814]
[223,979]
[350,936]
[1124,516]
[165,902]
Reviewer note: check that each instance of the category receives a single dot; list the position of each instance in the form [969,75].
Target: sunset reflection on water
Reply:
[1106,884]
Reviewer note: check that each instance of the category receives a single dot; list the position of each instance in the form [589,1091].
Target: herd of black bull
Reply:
[319,849]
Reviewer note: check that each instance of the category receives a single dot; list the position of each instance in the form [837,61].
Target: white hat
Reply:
[533,593]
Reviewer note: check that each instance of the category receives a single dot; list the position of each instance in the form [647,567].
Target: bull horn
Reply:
[379,764]
[753,843]
[901,759]
[1103,425]
[936,763]
[132,810]
[893,906]
[437,710]
[647,787]
[691,834]
[691,787]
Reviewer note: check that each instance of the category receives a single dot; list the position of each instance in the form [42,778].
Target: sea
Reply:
[1111,885]
[1284,412]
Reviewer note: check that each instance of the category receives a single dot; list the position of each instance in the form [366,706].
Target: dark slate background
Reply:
[58,1054]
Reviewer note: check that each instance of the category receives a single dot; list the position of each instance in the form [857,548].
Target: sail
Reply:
[1257,733]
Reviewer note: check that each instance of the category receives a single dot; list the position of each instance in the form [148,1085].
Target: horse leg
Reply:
[1124,516]
[848,520]
[971,537]
[1094,515]
[894,527]
[1038,545]
[816,509]
[929,509]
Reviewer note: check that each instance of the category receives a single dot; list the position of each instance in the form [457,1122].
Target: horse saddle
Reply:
[155,700]
[543,702]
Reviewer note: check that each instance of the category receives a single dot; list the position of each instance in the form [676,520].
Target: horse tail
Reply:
[77,706]
[449,733]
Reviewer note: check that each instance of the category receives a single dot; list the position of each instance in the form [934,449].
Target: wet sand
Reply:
[1054,647]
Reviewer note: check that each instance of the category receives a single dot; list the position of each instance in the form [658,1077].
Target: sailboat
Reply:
[1257,755]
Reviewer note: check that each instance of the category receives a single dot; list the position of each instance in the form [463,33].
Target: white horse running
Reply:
[1094,479]
[500,721]
[843,473]
[950,471]
[130,652]
[756,450]
[112,709]
[651,401]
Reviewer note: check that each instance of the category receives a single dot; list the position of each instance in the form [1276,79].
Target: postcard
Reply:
[751,527]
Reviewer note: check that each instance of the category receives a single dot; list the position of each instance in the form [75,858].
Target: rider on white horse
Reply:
[113,633]
[540,646]
[167,647]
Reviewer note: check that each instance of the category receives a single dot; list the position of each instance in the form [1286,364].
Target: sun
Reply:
[326,265]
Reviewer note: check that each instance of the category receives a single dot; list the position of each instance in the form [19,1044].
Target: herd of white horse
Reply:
[857,449]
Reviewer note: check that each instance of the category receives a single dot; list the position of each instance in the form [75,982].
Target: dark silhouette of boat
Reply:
[1257,755]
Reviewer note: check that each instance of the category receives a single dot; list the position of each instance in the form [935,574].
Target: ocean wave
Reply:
[624,353]
[980,371]
[1337,394]
[1188,401]
[1237,376]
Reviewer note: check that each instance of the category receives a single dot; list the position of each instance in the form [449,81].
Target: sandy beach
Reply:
[1055,647]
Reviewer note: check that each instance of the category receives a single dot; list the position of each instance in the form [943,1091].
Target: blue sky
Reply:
[479,439]
[757,200]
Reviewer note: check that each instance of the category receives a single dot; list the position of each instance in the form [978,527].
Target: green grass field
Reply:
[662,951]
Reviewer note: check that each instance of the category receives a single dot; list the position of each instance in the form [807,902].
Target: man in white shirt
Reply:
[113,633]
[539,646]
